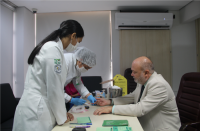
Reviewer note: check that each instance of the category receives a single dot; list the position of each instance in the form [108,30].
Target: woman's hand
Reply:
[67,120]
[77,101]
[70,117]
[102,102]
[91,99]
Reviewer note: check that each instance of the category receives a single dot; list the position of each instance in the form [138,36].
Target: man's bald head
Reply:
[142,68]
[144,63]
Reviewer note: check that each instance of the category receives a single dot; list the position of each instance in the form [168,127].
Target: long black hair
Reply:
[66,28]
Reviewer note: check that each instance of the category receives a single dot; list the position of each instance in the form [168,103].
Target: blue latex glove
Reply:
[91,99]
[77,101]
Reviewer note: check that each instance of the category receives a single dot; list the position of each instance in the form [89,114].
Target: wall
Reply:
[183,44]
[23,45]
[190,12]
[29,37]
[183,40]
[115,46]
[6,45]
[96,27]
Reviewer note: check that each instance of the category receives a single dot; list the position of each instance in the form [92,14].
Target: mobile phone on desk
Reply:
[78,129]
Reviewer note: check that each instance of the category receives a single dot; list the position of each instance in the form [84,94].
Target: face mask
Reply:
[71,47]
[81,70]
[76,45]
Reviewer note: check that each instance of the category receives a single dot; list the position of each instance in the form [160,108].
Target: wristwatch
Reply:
[111,101]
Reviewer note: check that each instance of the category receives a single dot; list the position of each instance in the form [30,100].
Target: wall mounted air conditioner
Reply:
[138,21]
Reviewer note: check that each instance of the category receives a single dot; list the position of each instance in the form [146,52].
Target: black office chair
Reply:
[92,82]
[8,105]
[188,101]
[131,84]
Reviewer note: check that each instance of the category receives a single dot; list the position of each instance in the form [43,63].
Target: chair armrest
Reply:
[17,99]
[184,126]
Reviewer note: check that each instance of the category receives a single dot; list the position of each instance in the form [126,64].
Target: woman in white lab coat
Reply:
[42,104]
[79,62]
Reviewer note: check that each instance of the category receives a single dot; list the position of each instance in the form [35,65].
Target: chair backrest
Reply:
[131,84]
[188,99]
[8,102]
[92,82]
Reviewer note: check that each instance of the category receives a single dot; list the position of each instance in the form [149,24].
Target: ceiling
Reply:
[47,6]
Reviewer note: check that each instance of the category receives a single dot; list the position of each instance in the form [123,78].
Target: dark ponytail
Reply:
[66,28]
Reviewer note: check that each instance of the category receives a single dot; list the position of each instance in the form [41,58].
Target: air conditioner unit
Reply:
[138,21]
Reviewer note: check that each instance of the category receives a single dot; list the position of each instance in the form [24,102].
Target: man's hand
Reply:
[102,102]
[106,110]
[70,117]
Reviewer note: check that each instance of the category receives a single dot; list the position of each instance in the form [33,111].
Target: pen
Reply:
[79,126]
[81,123]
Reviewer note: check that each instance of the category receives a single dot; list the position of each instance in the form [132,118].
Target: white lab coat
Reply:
[42,104]
[75,76]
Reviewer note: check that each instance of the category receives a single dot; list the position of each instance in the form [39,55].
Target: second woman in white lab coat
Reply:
[42,104]
[79,62]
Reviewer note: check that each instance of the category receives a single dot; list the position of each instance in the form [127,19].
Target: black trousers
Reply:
[67,105]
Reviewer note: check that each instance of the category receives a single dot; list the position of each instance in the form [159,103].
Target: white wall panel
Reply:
[115,46]
[6,50]
[23,46]
[190,12]
[183,39]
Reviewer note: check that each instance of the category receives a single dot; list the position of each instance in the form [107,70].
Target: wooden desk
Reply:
[97,121]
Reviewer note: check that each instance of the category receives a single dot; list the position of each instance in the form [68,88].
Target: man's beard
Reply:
[140,80]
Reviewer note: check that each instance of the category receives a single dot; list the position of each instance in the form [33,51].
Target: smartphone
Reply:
[78,129]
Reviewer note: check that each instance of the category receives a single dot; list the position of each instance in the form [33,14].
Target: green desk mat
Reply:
[83,120]
[115,123]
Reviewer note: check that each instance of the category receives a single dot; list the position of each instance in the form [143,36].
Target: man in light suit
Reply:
[155,104]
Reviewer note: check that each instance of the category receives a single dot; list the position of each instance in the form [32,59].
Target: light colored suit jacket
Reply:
[157,109]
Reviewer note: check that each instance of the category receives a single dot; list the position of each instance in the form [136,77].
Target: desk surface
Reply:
[97,121]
